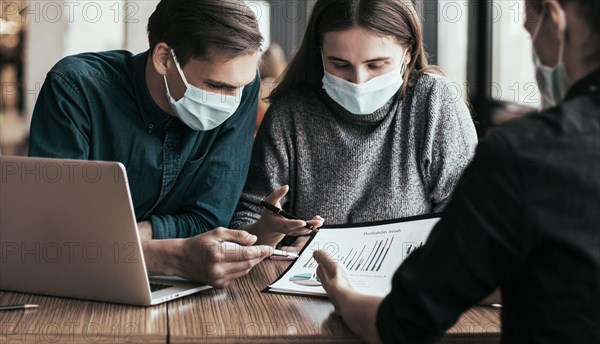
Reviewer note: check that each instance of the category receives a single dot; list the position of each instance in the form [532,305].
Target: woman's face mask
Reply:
[553,82]
[365,98]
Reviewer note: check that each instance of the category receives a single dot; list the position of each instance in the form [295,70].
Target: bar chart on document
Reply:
[364,256]
[370,254]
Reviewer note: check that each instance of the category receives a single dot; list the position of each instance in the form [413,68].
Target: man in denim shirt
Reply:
[180,117]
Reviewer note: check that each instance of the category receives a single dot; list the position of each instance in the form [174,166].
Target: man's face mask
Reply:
[553,82]
[200,109]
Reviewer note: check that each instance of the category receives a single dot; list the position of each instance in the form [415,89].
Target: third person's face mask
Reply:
[553,82]
[200,109]
[365,98]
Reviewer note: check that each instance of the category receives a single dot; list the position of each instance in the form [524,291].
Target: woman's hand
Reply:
[358,311]
[271,228]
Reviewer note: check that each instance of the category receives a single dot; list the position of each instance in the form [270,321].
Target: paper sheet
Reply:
[370,253]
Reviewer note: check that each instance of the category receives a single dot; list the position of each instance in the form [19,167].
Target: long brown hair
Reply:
[396,18]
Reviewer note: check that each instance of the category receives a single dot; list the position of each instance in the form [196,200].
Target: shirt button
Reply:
[593,88]
[151,126]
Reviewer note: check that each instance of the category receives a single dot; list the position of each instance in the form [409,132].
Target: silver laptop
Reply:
[67,228]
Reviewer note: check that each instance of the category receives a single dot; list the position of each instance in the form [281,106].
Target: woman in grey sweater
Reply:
[360,128]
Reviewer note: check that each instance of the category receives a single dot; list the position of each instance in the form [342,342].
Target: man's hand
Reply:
[271,228]
[203,258]
[358,311]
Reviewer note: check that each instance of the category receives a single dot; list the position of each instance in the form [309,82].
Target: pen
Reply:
[230,246]
[285,214]
[15,307]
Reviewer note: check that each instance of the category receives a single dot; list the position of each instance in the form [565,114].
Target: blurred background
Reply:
[480,45]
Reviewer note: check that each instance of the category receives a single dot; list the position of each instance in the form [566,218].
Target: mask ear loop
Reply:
[167,85]
[561,48]
[187,84]
[180,74]
[323,60]
[404,65]
[536,32]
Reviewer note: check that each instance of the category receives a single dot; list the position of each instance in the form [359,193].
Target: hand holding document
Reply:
[370,252]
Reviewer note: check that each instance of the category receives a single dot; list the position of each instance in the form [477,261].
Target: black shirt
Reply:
[525,217]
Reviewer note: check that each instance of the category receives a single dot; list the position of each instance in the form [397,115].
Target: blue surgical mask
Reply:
[553,82]
[365,98]
[199,109]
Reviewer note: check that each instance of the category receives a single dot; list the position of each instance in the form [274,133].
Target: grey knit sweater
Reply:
[402,160]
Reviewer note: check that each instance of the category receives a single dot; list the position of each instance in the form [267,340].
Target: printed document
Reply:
[370,252]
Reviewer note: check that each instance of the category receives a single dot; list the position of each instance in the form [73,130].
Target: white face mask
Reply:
[365,98]
[200,109]
[553,82]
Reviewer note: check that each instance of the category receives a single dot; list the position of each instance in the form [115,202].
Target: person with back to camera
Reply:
[524,216]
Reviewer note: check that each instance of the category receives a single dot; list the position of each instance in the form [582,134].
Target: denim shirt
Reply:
[96,106]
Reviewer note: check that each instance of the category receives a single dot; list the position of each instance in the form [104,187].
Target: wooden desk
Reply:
[242,314]
[60,320]
[239,314]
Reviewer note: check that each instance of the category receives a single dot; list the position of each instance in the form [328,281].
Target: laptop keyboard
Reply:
[158,286]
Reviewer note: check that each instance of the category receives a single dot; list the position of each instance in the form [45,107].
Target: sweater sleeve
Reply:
[450,141]
[269,166]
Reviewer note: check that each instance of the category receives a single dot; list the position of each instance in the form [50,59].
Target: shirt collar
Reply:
[590,84]
[152,114]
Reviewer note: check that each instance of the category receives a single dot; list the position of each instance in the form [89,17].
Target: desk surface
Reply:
[238,314]
[60,320]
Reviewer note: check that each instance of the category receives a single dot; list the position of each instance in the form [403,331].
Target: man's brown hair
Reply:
[204,29]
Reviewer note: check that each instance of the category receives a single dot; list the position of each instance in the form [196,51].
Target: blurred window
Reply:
[453,24]
[513,72]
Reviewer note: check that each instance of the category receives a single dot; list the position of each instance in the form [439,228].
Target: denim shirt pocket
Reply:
[191,166]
